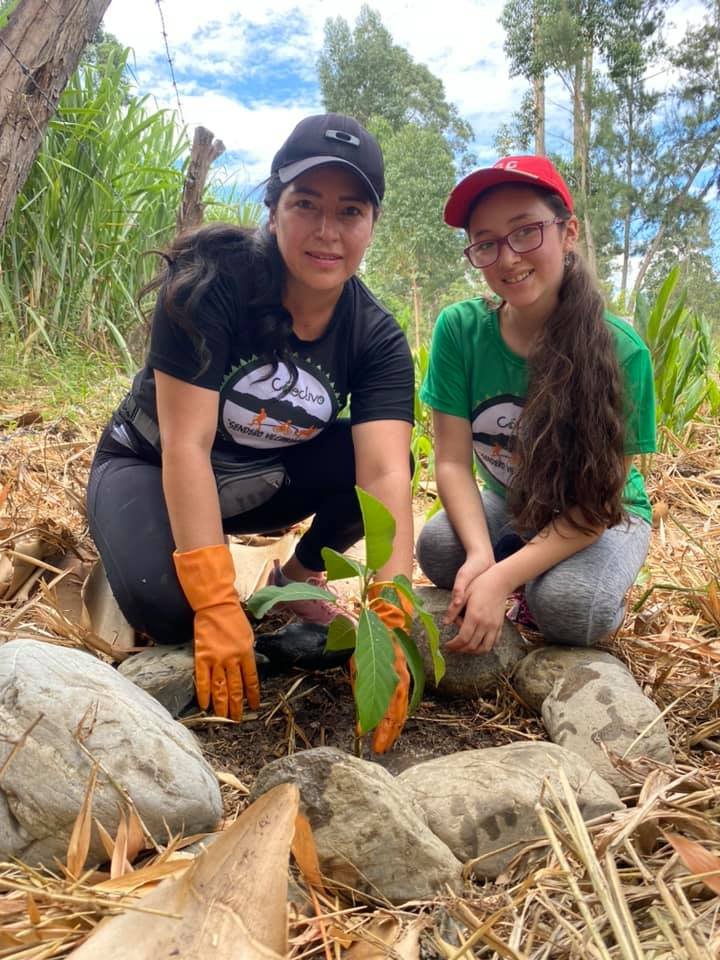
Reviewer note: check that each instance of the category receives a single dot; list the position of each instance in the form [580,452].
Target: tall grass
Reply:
[104,189]
[684,358]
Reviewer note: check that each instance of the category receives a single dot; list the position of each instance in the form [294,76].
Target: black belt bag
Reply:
[242,485]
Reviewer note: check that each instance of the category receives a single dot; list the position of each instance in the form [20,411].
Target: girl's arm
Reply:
[461,499]
[187,416]
[382,467]
[485,611]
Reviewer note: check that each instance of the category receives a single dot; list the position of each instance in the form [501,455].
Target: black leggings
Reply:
[129,523]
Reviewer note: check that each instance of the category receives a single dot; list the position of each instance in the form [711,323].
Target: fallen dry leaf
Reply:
[697,858]
[305,852]
[231,902]
[81,831]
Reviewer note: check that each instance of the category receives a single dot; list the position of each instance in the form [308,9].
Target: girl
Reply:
[258,339]
[553,395]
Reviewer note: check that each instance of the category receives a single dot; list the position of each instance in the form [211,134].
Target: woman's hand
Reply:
[482,622]
[475,564]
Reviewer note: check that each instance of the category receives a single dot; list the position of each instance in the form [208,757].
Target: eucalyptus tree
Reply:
[414,255]
[686,165]
[363,72]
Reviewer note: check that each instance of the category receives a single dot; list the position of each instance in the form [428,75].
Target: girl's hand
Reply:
[475,564]
[482,622]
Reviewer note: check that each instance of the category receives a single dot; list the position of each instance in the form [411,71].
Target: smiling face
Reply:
[323,223]
[528,282]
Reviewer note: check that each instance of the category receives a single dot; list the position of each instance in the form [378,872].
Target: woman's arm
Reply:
[382,467]
[187,416]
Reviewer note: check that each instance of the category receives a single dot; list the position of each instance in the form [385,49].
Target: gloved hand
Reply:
[395,618]
[225,668]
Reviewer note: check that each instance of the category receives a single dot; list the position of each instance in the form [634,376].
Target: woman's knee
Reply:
[439,552]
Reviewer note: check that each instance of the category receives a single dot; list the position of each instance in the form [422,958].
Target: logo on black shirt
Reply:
[257,410]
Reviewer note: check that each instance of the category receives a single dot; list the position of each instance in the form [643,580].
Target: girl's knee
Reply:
[572,617]
[439,552]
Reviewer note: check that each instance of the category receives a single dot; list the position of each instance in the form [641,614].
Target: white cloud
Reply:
[217,41]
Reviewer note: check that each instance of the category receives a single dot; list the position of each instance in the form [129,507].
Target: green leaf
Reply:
[433,635]
[415,665]
[340,567]
[266,598]
[341,634]
[375,677]
[379,527]
[405,588]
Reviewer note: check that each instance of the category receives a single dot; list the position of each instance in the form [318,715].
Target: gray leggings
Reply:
[579,601]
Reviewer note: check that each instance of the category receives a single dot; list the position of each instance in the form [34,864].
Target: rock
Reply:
[370,835]
[299,645]
[480,801]
[600,703]
[536,673]
[466,675]
[166,673]
[156,760]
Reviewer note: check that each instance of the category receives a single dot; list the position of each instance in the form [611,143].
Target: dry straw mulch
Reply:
[641,884]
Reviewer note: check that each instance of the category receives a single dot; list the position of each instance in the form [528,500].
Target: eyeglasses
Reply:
[523,239]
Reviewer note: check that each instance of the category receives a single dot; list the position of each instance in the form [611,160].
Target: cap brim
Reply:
[461,199]
[289,173]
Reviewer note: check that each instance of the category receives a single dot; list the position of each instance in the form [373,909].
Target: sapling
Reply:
[375,678]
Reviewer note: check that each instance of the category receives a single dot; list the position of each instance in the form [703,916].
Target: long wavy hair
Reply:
[569,444]
[247,257]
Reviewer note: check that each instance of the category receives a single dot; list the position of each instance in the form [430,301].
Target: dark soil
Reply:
[313,709]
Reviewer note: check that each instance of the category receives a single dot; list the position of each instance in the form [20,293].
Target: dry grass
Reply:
[640,884]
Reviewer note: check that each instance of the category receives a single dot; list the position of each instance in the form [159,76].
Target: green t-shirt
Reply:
[473,374]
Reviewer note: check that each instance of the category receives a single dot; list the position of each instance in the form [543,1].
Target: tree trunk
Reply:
[627,218]
[205,150]
[416,311]
[539,94]
[679,197]
[39,49]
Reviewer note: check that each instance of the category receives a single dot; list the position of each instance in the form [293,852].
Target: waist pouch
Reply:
[242,485]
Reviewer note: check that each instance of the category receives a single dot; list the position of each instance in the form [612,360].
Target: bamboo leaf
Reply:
[81,832]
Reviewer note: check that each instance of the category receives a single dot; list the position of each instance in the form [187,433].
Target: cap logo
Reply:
[342,136]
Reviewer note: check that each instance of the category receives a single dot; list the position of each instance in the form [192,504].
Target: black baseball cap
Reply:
[332,138]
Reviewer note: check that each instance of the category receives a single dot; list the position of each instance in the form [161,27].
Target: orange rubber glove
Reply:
[225,668]
[395,618]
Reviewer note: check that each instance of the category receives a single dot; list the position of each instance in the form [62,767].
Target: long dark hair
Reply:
[570,435]
[250,258]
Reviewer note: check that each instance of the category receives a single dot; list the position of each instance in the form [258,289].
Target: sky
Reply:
[248,71]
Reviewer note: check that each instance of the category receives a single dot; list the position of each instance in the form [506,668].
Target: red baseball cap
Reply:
[532,170]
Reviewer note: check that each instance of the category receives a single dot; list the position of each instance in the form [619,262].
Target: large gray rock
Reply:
[466,676]
[156,760]
[369,833]
[166,673]
[536,673]
[599,707]
[481,803]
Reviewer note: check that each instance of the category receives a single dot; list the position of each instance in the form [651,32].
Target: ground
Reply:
[670,640]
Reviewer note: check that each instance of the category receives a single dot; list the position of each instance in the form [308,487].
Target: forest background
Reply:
[642,159]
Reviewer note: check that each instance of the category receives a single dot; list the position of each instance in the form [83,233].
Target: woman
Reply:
[554,396]
[258,339]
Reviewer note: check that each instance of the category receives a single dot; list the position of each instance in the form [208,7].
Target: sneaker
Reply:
[311,611]
[519,612]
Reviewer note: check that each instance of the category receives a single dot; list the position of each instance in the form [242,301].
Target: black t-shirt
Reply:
[363,355]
